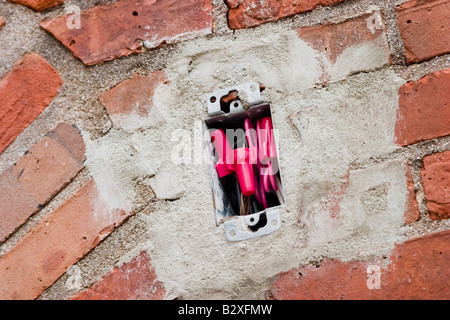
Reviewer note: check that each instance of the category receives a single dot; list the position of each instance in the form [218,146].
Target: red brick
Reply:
[38,5]
[45,169]
[412,213]
[26,91]
[425,28]
[132,97]
[119,29]
[332,40]
[436,184]
[424,109]
[39,175]
[250,13]
[57,242]
[135,280]
[418,270]
[70,137]
[16,204]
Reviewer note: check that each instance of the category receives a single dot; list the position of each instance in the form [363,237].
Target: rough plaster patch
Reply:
[166,186]
[115,162]
[155,42]
[345,123]
[122,158]
[191,255]
[192,258]
[281,52]
[110,194]
[374,200]
[354,219]
[132,121]
[366,57]
[189,252]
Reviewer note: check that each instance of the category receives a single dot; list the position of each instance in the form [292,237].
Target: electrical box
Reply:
[240,139]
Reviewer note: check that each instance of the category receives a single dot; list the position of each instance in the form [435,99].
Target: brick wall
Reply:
[101,99]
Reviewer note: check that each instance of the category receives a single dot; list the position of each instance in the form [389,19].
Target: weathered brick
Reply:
[135,280]
[57,242]
[2,21]
[250,13]
[424,109]
[38,5]
[425,28]
[70,137]
[26,91]
[129,104]
[39,175]
[418,270]
[45,169]
[126,26]
[436,184]
[16,204]
[355,40]
[412,213]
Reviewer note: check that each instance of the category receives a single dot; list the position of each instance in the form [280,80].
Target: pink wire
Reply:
[252,138]
[264,177]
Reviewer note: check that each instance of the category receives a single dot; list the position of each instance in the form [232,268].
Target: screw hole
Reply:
[408,21]
[213,99]
[232,233]
[135,13]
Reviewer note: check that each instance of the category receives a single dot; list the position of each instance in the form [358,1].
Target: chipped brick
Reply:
[436,184]
[134,280]
[425,28]
[39,175]
[130,103]
[351,40]
[412,213]
[38,5]
[250,13]
[424,109]
[124,27]
[26,91]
